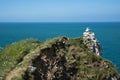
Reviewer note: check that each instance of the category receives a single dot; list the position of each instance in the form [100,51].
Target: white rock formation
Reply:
[91,42]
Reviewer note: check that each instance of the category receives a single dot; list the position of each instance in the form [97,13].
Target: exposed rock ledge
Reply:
[56,59]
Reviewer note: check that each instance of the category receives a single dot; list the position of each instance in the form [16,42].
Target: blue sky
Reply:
[59,10]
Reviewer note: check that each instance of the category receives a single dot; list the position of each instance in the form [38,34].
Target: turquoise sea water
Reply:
[107,33]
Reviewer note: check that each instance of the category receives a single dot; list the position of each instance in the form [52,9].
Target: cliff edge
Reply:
[55,59]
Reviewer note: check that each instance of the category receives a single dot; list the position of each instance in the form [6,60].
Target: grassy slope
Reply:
[14,53]
[89,64]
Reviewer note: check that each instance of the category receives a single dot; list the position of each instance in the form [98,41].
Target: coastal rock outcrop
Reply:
[91,42]
[57,59]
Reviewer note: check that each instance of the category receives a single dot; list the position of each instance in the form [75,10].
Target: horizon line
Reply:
[58,22]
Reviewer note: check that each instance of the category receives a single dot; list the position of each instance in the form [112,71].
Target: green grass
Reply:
[78,42]
[90,66]
[14,53]
[52,41]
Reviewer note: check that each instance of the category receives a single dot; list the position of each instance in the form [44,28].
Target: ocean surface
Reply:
[108,34]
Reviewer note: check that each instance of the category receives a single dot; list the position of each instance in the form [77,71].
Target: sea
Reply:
[108,34]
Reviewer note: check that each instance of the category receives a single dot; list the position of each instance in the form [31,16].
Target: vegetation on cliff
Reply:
[55,59]
[14,54]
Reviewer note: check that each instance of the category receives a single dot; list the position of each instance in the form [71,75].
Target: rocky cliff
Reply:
[91,42]
[55,59]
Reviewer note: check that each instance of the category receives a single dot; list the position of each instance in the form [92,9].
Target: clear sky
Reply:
[59,10]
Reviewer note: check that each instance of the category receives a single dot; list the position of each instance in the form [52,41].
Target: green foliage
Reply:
[15,78]
[78,42]
[14,54]
[71,57]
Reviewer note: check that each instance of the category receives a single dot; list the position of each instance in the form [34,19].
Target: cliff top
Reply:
[58,58]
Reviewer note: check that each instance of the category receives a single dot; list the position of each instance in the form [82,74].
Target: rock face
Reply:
[91,42]
[62,59]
